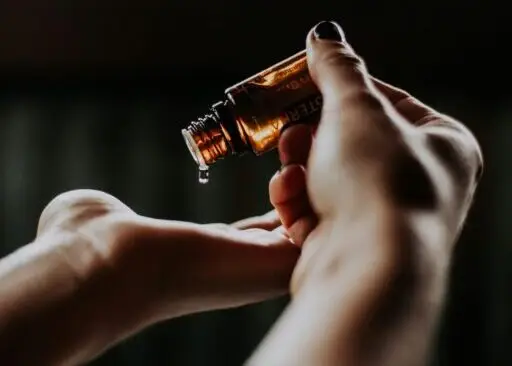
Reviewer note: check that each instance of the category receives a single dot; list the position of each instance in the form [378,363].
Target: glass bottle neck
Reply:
[214,136]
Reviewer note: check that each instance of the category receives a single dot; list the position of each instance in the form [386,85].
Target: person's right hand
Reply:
[374,143]
[376,197]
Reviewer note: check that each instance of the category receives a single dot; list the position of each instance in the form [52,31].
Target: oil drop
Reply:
[204,174]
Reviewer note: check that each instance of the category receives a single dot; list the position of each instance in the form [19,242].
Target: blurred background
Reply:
[93,95]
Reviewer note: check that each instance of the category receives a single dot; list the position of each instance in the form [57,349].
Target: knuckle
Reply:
[449,154]
[456,147]
[362,99]
[405,100]
[461,156]
[346,63]
[343,58]
[358,103]
[397,164]
[72,208]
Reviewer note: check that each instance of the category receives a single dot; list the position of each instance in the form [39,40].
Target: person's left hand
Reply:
[102,272]
[181,267]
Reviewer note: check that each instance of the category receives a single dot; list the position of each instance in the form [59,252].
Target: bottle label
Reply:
[295,84]
[303,110]
[282,94]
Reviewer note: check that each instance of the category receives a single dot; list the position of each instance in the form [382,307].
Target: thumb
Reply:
[337,71]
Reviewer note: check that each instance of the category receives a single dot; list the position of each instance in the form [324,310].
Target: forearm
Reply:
[83,287]
[64,300]
[377,308]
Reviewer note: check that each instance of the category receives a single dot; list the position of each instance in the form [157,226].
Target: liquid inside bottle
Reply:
[254,111]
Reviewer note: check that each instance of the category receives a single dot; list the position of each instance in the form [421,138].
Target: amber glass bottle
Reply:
[254,111]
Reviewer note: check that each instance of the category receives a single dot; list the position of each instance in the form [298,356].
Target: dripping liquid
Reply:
[204,174]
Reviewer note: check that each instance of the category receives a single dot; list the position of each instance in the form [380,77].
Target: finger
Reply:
[355,114]
[287,186]
[282,230]
[295,144]
[336,70]
[447,136]
[268,221]
[409,107]
[288,194]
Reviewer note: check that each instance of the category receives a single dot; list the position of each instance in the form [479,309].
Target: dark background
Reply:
[93,95]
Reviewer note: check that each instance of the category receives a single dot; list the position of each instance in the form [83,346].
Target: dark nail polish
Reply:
[329,31]
[284,128]
[290,124]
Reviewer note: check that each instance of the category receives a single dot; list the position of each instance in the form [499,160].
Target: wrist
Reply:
[370,287]
[152,257]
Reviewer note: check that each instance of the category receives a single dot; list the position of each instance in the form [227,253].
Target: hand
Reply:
[374,140]
[215,265]
[103,272]
[376,197]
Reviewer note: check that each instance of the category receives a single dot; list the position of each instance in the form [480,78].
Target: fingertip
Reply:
[324,34]
[328,31]
[287,184]
[310,39]
[333,65]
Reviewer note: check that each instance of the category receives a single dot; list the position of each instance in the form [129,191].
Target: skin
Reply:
[97,273]
[376,197]
[373,201]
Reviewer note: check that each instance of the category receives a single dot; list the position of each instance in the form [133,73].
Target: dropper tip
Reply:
[192,147]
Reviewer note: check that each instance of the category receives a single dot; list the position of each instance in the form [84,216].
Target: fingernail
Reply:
[291,124]
[329,31]
[284,128]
